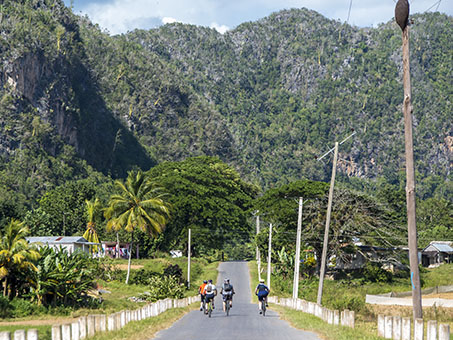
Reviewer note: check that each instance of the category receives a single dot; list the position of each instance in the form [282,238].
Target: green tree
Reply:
[138,205]
[209,197]
[15,252]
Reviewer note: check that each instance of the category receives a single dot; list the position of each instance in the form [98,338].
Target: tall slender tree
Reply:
[139,204]
[92,208]
[15,252]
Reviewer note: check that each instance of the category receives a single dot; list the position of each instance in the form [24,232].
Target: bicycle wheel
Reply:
[209,309]
[227,307]
[263,307]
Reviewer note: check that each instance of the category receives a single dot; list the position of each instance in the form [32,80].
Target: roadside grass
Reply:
[146,329]
[350,294]
[120,293]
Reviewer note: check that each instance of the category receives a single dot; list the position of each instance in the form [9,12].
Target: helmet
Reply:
[261,280]
[204,281]
[226,280]
[210,281]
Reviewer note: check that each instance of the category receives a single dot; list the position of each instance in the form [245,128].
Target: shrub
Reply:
[174,270]
[373,272]
[142,277]
[21,308]
[350,302]
[5,307]
[163,287]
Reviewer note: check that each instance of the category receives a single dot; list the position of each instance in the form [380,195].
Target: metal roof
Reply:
[57,239]
[443,247]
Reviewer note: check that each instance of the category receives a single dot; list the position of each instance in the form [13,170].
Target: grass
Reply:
[146,329]
[118,298]
[351,294]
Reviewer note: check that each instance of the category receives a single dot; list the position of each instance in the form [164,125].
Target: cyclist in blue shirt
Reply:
[262,291]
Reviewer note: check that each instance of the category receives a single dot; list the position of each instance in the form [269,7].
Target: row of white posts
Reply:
[87,326]
[395,327]
[333,317]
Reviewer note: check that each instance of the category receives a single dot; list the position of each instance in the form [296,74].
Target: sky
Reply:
[121,16]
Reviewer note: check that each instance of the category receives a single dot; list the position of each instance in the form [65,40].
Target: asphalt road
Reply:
[244,321]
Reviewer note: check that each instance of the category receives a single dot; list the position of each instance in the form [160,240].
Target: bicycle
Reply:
[227,307]
[208,309]
[263,306]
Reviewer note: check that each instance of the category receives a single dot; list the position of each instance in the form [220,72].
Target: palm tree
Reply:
[15,252]
[139,204]
[90,234]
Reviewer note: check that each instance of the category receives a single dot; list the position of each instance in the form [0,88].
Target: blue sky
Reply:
[120,16]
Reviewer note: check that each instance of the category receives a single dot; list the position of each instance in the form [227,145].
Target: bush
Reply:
[350,302]
[5,307]
[373,272]
[174,270]
[163,287]
[142,277]
[21,308]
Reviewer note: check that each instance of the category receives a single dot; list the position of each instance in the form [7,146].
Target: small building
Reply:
[437,252]
[117,250]
[69,243]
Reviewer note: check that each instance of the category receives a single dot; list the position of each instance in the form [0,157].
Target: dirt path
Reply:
[43,322]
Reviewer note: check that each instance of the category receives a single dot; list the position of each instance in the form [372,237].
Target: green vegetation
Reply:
[138,206]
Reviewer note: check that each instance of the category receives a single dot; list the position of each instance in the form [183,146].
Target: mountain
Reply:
[266,97]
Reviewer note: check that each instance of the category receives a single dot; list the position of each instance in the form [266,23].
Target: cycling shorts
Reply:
[209,297]
[227,296]
[262,294]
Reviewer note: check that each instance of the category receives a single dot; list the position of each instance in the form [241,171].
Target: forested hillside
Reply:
[266,97]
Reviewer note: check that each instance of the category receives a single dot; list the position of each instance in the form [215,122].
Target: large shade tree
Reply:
[355,217]
[209,197]
[16,255]
[139,204]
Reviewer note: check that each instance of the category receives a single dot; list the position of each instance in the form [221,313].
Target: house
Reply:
[116,250]
[69,243]
[437,252]
[388,257]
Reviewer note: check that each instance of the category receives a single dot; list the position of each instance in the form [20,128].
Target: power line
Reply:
[349,12]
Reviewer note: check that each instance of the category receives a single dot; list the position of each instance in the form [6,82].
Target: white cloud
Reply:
[219,28]
[168,20]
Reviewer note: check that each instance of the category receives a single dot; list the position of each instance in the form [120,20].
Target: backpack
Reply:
[209,288]
[227,288]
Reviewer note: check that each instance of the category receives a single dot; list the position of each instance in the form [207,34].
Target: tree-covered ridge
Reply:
[266,97]
[292,83]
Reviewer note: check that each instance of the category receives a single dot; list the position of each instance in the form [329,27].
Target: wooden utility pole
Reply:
[410,181]
[258,255]
[297,259]
[326,231]
[269,258]
[188,261]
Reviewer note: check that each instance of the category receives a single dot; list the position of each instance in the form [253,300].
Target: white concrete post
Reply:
[56,332]
[418,329]
[66,331]
[336,317]
[431,331]
[111,322]
[117,320]
[75,331]
[381,325]
[32,334]
[7,336]
[91,325]
[406,329]
[388,332]
[311,308]
[444,332]
[128,316]
[102,322]
[351,318]
[122,318]
[83,327]
[396,328]
[20,334]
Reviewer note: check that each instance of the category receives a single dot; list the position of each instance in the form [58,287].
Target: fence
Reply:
[87,326]
[395,327]
[333,317]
